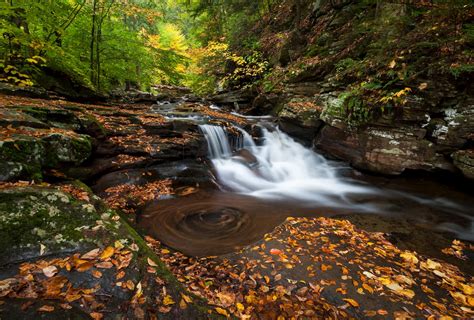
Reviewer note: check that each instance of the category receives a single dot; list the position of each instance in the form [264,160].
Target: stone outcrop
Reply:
[426,134]
[464,160]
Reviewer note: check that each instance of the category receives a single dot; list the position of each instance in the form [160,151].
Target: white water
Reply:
[282,169]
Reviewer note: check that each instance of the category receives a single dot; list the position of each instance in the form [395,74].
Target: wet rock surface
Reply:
[420,136]
[65,254]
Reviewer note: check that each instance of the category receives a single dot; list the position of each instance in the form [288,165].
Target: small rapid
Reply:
[280,168]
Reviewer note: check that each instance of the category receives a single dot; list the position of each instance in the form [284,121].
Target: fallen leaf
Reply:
[46,308]
[120,275]
[96,315]
[275,251]
[168,300]
[104,265]
[93,254]
[352,302]
[409,257]
[50,271]
[97,274]
[118,245]
[84,266]
[368,288]
[222,311]
[107,253]
[42,249]
[186,298]
[151,262]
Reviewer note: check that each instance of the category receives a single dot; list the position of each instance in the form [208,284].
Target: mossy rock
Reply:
[67,149]
[55,117]
[24,156]
[31,217]
[15,118]
[42,223]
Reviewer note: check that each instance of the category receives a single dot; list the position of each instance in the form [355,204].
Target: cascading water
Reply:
[217,142]
[279,169]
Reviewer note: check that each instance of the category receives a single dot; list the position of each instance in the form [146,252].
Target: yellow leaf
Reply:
[240,307]
[187,298]
[107,253]
[409,257]
[392,64]
[222,311]
[433,264]
[118,245]
[168,300]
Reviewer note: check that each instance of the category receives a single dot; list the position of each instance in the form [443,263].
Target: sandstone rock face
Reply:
[424,135]
[381,149]
[300,118]
[464,160]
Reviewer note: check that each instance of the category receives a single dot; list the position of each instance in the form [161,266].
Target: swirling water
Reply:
[263,183]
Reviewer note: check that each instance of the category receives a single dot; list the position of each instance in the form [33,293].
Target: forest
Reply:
[243,159]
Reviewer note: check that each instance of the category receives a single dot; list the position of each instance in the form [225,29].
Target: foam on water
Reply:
[282,168]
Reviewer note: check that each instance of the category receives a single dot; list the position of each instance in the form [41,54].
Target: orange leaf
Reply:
[352,302]
[96,315]
[275,251]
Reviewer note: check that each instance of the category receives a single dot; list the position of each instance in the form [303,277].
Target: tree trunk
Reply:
[93,41]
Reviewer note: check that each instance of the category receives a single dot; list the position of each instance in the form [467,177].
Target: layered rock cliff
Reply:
[385,86]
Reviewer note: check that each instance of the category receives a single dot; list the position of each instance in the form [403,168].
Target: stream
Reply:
[264,180]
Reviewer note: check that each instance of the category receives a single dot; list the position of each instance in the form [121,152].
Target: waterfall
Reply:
[280,169]
[217,141]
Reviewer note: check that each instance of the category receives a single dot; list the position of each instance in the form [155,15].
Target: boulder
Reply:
[300,118]
[32,92]
[24,155]
[15,118]
[464,161]
[243,96]
[382,149]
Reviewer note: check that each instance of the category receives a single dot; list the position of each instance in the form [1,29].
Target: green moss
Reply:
[462,70]
[92,126]
[30,216]
[22,149]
